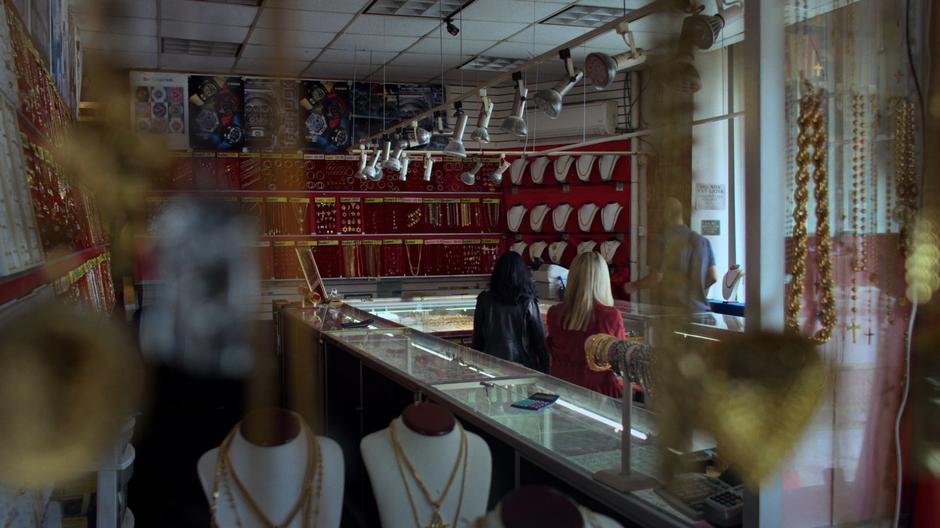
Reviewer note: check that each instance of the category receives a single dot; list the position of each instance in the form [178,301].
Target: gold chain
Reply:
[314,467]
[437,521]
[905,182]
[812,137]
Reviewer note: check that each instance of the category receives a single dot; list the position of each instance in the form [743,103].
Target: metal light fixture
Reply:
[514,123]
[550,100]
[601,68]
[497,175]
[481,133]
[363,163]
[681,74]
[373,172]
[428,165]
[698,31]
[451,28]
[455,145]
[403,173]
[470,177]
[394,162]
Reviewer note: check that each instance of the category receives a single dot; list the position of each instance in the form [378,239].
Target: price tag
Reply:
[414,242]
[326,199]
[252,199]
[297,200]
[375,200]
[391,241]
[329,242]
[347,199]
[284,243]
[227,154]
[276,199]
[249,155]
[350,242]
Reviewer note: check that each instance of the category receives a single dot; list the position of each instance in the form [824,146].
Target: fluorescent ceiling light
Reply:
[585,16]
[494,64]
[199,47]
[438,9]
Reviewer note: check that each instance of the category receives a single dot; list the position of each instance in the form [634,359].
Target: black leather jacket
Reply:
[510,331]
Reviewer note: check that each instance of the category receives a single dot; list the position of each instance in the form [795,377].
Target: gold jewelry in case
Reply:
[401,458]
[812,149]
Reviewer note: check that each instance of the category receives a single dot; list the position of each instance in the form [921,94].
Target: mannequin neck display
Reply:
[277,460]
[518,247]
[516,170]
[584,165]
[454,466]
[537,216]
[536,250]
[586,215]
[556,251]
[562,165]
[560,217]
[609,215]
[587,246]
[731,282]
[538,506]
[607,164]
[609,250]
[538,169]
[514,217]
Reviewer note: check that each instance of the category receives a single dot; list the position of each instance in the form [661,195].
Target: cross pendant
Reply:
[853,327]
[437,521]
[868,335]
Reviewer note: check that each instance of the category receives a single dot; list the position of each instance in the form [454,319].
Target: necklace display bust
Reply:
[542,506]
[731,282]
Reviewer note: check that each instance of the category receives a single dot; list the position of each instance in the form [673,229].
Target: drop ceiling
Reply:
[339,39]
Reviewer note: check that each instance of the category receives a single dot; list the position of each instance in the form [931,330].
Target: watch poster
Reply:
[374,107]
[415,99]
[216,117]
[324,111]
[272,113]
[158,106]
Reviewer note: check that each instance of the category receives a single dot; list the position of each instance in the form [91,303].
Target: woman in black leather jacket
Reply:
[507,323]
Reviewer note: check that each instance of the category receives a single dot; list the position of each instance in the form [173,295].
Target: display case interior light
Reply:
[585,16]
[492,64]
[438,9]
[617,426]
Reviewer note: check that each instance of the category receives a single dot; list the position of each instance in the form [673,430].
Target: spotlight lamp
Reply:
[451,28]
[470,177]
[497,175]
[514,123]
[701,31]
[550,100]
[481,133]
[601,68]
[373,172]
[455,145]
[394,162]
[698,31]
[681,74]
[428,166]
[363,163]
[403,173]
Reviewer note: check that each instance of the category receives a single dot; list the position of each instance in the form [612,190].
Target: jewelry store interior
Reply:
[469,263]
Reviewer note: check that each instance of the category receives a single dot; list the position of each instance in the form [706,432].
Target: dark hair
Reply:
[512,280]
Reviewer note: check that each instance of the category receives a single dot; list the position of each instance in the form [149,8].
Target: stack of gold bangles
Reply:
[597,352]
[630,358]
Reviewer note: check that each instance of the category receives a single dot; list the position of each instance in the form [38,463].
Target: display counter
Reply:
[366,374]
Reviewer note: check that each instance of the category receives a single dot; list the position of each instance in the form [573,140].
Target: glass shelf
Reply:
[425,358]
[440,315]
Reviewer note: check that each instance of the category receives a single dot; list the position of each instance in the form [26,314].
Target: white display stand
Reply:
[274,478]
[433,458]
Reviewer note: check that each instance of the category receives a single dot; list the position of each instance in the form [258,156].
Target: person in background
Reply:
[586,309]
[507,323]
[687,269]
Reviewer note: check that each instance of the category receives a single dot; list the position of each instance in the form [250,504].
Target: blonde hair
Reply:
[588,283]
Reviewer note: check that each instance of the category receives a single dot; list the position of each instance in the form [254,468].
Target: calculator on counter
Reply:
[536,401]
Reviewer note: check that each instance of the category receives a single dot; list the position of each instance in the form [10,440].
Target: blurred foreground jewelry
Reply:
[812,136]
[68,383]
[755,395]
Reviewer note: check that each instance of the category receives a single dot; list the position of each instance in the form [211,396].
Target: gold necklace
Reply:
[437,520]
[414,269]
[812,136]
[314,466]
[905,182]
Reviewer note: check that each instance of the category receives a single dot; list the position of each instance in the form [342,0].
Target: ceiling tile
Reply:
[468,76]
[334,6]
[125,8]
[196,63]
[517,50]
[290,68]
[472,29]
[392,25]
[123,59]
[360,59]
[427,60]
[397,74]
[330,71]
[206,32]
[207,12]
[350,41]
[121,25]
[549,34]
[508,11]
[630,4]
[432,45]
[118,43]
[304,20]
[255,51]
[295,39]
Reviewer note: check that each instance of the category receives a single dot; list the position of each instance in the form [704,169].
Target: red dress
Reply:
[566,348]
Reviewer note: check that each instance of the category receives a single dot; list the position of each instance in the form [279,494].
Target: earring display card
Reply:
[325,211]
[350,211]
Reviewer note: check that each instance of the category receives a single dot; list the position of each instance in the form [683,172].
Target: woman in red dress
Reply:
[587,309]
